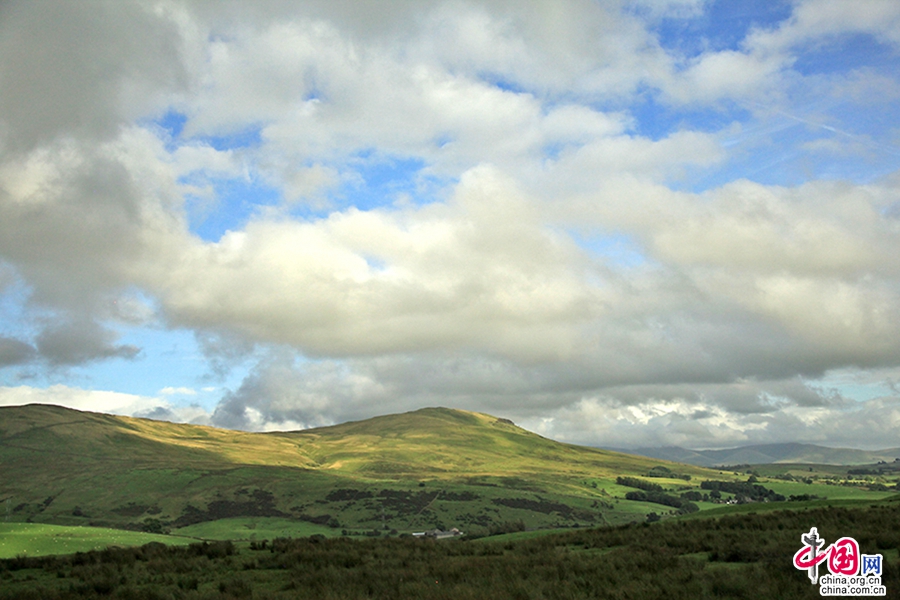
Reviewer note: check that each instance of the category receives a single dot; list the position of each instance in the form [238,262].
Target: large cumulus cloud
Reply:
[548,260]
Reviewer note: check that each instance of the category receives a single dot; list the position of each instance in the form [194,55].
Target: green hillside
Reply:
[432,467]
[445,444]
[429,468]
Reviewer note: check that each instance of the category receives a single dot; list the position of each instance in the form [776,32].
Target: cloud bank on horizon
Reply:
[620,223]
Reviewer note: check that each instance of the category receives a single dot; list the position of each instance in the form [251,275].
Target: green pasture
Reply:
[766,507]
[825,491]
[818,471]
[35,539]
[254,528]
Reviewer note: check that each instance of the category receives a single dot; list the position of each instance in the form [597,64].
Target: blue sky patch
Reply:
[503,83]
[381,180]
[173,122]
[656,120]
[246,138]
[723,26]
[843,53]
[236,202]
[615,249]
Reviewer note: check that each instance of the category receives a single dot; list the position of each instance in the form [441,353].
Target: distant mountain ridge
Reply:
[770,454]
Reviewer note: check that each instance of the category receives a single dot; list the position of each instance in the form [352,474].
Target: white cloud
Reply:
[79,399]
[727,74]
[116,403]
[178,391]
[489,269]
[865,87]
[609,160]
[697,421]
[480,271]
[814,21]
[817,229]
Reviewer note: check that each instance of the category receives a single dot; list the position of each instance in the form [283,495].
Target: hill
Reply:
[429,468]
[791,453]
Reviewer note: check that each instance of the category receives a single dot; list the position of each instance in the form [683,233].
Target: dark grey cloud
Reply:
[286,392]
[72,236]
[283,393]
[285,388]
[72,215]
[186,414]
[15,352]
[81,69]
[79,340]
[223,350]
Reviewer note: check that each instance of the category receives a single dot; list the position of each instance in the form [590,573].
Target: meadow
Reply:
[33,539]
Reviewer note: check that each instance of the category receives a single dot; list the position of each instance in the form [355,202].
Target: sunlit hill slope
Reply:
[425,468]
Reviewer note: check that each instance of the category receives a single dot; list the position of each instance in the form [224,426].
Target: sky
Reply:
[621,223]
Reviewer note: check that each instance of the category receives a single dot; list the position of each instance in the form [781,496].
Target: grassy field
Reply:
[32,539]
[826,491]
[735,556]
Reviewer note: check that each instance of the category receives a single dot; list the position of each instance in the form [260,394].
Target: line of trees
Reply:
[683,506]
[640,484]
[653,492]
[743,491]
